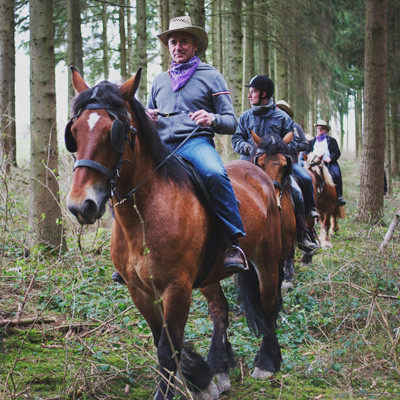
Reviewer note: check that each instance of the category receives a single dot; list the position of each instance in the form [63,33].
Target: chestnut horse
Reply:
[161,230]
[326,199]
[271,156]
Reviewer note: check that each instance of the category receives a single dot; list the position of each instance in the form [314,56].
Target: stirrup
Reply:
[234,268]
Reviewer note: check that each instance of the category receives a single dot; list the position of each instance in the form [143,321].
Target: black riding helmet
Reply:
[262,83]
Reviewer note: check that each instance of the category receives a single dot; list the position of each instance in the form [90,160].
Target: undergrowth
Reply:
[339,329]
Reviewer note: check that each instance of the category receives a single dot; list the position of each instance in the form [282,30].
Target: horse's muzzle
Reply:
[89,210]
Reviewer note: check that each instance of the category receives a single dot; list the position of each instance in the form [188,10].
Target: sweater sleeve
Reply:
[225,119]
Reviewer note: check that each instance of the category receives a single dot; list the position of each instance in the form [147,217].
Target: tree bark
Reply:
[176,8]
[235,58]
[122,41]
[7,83]
[141,46]
[164,24]
[373,152]
[74,41]
[45,212]
[249,67]
[104,40]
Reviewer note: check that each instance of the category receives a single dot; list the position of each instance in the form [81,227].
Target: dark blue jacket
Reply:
[273,121]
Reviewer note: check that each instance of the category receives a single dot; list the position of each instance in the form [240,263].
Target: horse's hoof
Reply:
[287,284]
[211,393]
[223,382]
[261,374]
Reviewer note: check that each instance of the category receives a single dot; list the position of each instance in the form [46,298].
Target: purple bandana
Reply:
[320,138]
[181,73]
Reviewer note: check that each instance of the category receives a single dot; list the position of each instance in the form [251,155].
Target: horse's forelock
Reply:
[105,93]
[273,144]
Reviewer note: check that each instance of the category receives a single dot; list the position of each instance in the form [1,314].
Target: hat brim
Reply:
[325,126]
[287,110]
[199,33]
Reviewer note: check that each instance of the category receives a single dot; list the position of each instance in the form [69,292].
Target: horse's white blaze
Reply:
[92,121]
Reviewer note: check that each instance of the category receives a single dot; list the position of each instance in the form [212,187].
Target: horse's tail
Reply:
[250,297]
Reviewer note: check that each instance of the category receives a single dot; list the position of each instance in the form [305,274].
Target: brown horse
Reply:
[270,156]
[326,199]
[161,233]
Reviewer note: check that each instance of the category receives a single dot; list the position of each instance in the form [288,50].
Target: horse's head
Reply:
[98,133]
[271,156]
[314,163]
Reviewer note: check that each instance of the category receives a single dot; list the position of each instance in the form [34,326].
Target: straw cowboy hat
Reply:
[285,107]
[184,24]
[322,122]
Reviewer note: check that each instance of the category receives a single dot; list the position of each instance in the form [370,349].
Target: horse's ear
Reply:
[77,81]
[288,137]
[257,140]
[128,89]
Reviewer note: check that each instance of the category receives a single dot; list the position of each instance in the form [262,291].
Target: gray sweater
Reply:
[207,90]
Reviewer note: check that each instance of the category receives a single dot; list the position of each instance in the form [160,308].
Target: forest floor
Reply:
[83,338]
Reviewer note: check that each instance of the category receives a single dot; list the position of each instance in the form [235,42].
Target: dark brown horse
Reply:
[326,199]
[161,231]
[271,157]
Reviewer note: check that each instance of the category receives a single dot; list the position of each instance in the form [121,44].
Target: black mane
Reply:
[155,147]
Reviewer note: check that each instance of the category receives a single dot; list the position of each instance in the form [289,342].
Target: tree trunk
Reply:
[262,36]
[104,39]
[74,41]
[176,8]
[358,119]
[141,47]
[249,67]
[197,13]
[45,212]
[131,65]
[235,54]
[164,22]
[373,152]
[122,41]
[7,83]
[214,35]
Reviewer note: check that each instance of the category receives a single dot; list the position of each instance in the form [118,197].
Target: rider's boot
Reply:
[234,258]
[304,239]
[116,277]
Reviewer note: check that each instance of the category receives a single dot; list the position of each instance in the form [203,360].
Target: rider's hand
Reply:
[152,114]
[202,117]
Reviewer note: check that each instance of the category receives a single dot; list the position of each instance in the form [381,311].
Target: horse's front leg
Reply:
[326,226]
[176,304]
[220,356]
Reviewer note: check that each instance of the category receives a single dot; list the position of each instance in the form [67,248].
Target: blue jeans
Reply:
[200,151]
[305,182]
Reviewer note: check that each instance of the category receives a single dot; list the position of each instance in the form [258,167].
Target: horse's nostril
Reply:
[90,209]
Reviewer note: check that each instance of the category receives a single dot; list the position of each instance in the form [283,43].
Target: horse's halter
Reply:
[119,135]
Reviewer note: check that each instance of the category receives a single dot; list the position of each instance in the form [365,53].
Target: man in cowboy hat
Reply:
[298,144]
[327,146]
[193,93]
[264,119]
